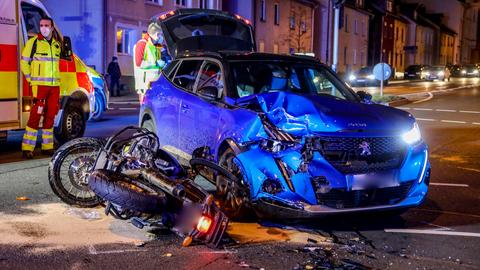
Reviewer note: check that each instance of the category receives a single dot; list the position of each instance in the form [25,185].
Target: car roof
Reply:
[245,56]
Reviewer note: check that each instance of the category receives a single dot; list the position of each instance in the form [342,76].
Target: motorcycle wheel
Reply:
[69,169]
[129,194]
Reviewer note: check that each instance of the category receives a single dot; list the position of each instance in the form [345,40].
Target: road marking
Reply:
[124,102]
[404,108]
[453,121]
[422,109]
[430,96]
[425,119]
[436,232]
[475,123]
[93,251]
[469,111]
[448,184]
[438,226]
[445,110]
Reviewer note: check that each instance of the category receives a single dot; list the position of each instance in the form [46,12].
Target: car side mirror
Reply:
[67,51]
[365,97]
[209,92]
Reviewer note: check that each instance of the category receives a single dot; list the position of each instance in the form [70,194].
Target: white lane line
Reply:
[439,228]
[422,109]
[425,119]
[445,110]
[475,123]
[93,251]
[448,184]
[469,111]
[453,121]
[436,232]
[430,96]
[404,108]
[124,102]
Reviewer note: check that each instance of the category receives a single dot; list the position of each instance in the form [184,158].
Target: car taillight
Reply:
[203,224]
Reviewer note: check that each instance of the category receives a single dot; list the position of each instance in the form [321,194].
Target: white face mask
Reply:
[45,31]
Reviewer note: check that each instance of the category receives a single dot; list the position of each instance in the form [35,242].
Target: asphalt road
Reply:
[443,233]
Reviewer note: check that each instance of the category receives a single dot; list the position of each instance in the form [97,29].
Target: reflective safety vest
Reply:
[150,68]
[40,61]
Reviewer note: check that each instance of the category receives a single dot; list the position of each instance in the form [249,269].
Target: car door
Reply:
[199,115]
[184,80]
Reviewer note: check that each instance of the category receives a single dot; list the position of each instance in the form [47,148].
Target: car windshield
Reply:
[365,71]
[255,77]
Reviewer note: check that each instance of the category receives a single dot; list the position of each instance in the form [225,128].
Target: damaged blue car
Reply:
[298,140]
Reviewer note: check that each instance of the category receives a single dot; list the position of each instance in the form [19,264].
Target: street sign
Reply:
[382,71]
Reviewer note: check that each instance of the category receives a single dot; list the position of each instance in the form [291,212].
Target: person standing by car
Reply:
[115,73]
[40,65]
[150,56]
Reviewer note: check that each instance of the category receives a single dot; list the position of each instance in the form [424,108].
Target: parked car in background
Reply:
[471,70]
[455,70]
[437,73]
[415,72]
[364,77]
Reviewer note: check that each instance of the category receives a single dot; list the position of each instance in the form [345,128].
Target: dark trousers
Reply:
[114,85]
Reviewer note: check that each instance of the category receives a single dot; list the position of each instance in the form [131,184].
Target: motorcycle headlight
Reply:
[413,135]
[351,77]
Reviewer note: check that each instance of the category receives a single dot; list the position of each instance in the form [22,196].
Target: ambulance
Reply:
[83,91]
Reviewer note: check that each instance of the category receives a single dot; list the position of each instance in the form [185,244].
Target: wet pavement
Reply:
[443,233]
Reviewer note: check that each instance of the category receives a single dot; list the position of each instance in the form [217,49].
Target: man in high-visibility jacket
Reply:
[40,64]
[150,56]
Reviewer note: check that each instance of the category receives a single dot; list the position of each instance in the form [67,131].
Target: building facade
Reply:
[353,38]
[400,33]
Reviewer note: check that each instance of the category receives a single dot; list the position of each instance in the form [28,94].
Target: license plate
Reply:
[374,180]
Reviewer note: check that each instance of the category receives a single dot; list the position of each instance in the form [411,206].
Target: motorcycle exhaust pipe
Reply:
[164,183]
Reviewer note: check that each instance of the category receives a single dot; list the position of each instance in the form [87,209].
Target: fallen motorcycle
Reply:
[138,181]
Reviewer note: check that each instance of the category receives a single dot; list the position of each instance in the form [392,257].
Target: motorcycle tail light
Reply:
[203,224]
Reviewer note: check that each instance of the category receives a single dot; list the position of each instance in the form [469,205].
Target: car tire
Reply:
[73,124]
[87,149]
[149,125]
[120,190]
[100,106]
[235,206]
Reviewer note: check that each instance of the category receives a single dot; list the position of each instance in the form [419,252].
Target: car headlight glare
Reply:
[475,71]
[413,135]
[351,77]
[441,73]
[370,77]
[464,71]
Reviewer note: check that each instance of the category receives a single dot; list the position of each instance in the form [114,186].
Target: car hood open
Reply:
[302,115]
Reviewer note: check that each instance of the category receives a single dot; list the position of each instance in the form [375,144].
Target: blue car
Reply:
[298,140]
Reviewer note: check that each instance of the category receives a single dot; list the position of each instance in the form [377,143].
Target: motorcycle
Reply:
[136,180]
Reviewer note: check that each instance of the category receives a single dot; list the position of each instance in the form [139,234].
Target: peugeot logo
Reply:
[364,149]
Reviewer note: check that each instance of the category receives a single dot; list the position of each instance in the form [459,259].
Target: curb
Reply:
[399,102]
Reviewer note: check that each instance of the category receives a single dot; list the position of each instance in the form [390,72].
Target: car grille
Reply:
[341,198]
[348,156]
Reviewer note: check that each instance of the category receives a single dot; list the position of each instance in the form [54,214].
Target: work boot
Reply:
[48,152]
[27,154]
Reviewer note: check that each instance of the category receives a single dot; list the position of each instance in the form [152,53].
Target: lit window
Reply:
[124,38]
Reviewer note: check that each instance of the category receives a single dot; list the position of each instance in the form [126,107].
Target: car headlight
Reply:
[413,135]
[351,77]
[475,71]
[464,71]
[441,73]
[370,77]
